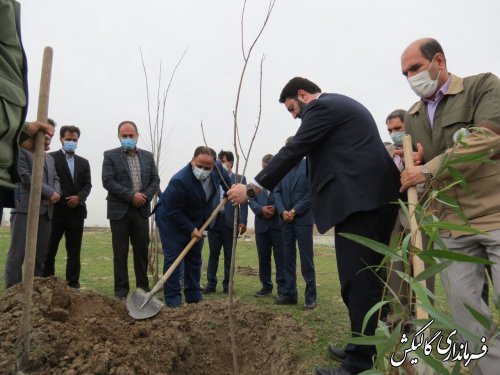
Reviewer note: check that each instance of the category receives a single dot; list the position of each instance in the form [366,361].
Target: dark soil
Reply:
[81,332]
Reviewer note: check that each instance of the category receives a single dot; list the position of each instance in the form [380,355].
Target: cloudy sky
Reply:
[351,47]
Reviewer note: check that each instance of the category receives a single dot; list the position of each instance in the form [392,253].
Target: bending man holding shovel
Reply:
[185,204]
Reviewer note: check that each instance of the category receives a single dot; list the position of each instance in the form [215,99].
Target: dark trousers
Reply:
[361,287]
[303,235]
[220,236]
[189,271]
[135,227]
[13,273]
[72,229]
[271,242]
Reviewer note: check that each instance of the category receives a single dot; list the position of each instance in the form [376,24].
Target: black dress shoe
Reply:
[263,292]
[335,353]
[310,305]
[208,290]
[334,371]
[285,301]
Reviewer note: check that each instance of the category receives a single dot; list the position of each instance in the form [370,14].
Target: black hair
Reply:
[227,154]
[430,48]
[291,89]
[398,113]
[69,129]
[128,122]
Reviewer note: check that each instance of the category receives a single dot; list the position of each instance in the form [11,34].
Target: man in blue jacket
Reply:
[186,203]
[269,239]
[220,233]
[293,203]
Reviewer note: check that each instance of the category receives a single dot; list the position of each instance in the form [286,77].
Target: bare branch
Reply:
[147,96]
[242,31]
[258,116]
[216,166]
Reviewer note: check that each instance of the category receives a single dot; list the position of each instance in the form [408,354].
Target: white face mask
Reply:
[422,84]
[224,165]
[200,174]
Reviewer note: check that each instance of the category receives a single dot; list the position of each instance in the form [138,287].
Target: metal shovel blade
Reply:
[135,302]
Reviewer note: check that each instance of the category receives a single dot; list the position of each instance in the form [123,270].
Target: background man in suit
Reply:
[352,180]
[51,193]
[293,203]
[451,105]
[269,239]
[14,102]
[183,207]
[71,211]
[220,233]
[130,176]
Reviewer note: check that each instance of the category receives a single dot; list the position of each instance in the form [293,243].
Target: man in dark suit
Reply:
[130,176]
[71,211]
[51,193]
[183,207]
[293,203]
[269,239]
[220,233]
[353,182]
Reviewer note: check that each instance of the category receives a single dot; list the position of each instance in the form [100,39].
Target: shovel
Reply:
[142,305]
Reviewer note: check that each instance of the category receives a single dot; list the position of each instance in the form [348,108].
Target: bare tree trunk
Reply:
[156,128]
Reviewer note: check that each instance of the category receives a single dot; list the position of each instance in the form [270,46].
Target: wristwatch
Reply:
[427,174]
[250,191]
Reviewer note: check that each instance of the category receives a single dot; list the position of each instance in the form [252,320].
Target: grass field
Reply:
[329,320]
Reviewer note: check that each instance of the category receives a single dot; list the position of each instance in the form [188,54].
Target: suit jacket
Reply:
[262,225]
[293,193]
[467,103]
[79,185]
[50,183]
[117,180]
[183,205]
[348,165]
[228,207]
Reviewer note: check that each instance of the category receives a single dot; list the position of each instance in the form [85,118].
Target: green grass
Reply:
[329,321]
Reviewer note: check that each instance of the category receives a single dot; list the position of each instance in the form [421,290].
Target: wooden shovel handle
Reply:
[418,264]
[181,256]
[23,339]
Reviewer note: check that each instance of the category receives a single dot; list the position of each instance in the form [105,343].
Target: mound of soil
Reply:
[81,332]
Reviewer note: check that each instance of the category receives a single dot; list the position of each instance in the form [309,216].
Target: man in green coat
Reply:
[13,101]
[452,107]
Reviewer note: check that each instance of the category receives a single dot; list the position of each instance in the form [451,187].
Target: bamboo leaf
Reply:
[452,255]
[374,245]
[459,177]
[431,271]
[370,312]
[368,340]
[483,320]
[451,226]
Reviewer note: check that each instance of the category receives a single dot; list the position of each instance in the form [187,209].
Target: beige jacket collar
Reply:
[456,86]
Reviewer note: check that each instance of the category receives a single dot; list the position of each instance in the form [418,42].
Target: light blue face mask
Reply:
[200,174]
[397,138]
[69,146]
[129,143]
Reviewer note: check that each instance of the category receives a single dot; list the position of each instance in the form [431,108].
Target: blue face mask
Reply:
[129,143]
[201,174]
[69,146]
[397,138]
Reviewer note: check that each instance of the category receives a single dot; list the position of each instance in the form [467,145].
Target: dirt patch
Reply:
[81,332]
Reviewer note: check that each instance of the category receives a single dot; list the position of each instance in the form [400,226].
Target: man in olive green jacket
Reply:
[468,109]
[13,101]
